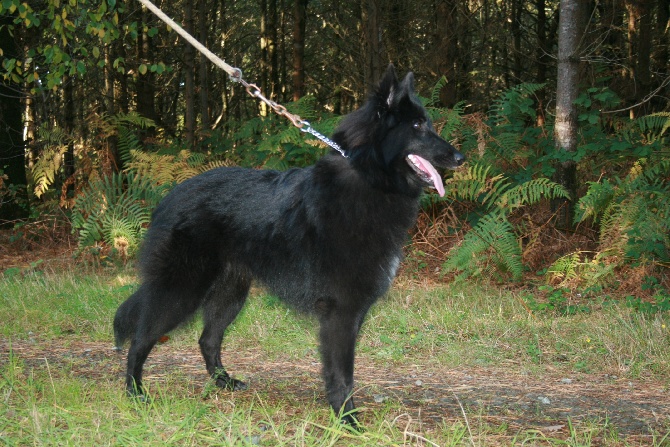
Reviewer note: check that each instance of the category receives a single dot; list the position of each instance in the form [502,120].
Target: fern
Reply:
[434,98]
[50,162]
[506,145]
[123,125]
[565,268]
[493,239]
[571,270]
[596,200]
[46,169]
[127,143]
[470,183]
[164,169]
[115,210]
[633,213]
[530,193]
[516,105]
[654,126]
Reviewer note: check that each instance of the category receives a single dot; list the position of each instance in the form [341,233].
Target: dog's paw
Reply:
[138,395]
[351,422]
[230,384]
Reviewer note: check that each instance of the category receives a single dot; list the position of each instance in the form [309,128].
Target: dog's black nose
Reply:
[459,158]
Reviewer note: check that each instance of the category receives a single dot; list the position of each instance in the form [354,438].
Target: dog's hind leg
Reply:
[160,312]
[224,301]
[338,334]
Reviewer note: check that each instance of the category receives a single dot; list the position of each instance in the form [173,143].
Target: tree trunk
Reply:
[203,76]
[145,87]
[272,49]
[264,54]
[299,24]
[112,146]
[570,30]
[189,79]
[515,28]
[445,53]
[371,17]
[69,128]
[12,150]
[639,49]
[541,55]
[662,56]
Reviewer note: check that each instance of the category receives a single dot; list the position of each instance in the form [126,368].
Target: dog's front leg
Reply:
[339,330]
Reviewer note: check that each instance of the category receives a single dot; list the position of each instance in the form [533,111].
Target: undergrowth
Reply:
[495,221]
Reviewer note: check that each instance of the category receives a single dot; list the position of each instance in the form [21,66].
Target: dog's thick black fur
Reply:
[326,239]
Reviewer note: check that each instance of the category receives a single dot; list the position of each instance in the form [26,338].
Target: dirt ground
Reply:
[498,396]
[505,395]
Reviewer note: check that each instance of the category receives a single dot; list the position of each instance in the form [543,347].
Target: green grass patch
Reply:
[48,403]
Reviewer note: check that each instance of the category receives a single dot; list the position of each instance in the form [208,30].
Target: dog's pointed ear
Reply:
[408,83]
[388,87]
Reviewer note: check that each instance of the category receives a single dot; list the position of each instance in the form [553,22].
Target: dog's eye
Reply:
[417,124]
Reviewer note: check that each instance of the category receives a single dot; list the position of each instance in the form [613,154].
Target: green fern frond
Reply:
[193,159]
[468,184]
[656,173]
[565,267]
[115,210]
[46,169]
[453,120]
[634,213]
[529,193]
[515,105]
[52,136]
[596,200]
[305,107]
[132,119]
[507,144]
[121,235]
[434,98]
[493,240]
[127,143]
[494,236]
[653,126]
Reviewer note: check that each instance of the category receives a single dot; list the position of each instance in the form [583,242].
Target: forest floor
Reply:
[547,400]
[497,396]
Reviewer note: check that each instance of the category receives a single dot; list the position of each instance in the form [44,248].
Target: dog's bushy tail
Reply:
[125,320]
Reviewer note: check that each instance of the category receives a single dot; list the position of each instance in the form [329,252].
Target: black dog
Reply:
[327,239]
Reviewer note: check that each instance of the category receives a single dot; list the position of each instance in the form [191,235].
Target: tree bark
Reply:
[66,181]
[541,55]
[517,51]
[12,149]
[571,24]
[445,53]
[371,17]
[299,25]
[271,30]
[662,56]
[145,85]
[203,75]
[639,49]
[189,79]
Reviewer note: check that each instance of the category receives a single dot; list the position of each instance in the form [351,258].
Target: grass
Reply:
[69,399]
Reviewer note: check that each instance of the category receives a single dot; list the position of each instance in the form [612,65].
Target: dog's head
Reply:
[393,133]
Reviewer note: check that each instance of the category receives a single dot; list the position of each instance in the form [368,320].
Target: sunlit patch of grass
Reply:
[44,403]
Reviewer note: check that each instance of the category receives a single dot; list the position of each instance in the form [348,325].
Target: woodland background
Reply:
[104,109]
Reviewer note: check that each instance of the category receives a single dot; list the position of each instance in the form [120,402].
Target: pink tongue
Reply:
[428,168]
